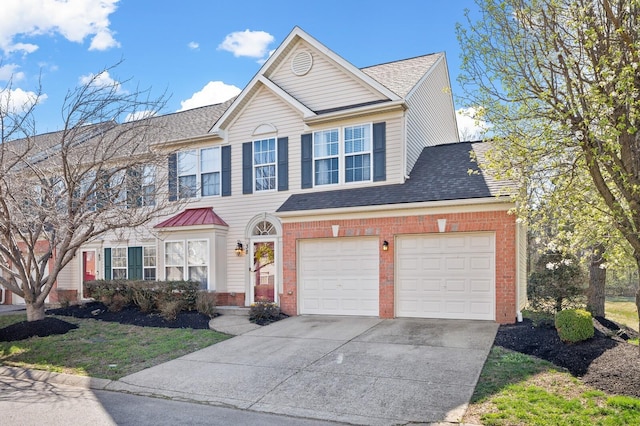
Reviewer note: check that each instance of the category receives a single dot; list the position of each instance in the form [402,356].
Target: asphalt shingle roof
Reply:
[401,76]
[441,173]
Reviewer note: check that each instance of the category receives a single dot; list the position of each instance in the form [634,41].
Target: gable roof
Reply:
[193,217]
[402,76]
[259,79]
[440,174]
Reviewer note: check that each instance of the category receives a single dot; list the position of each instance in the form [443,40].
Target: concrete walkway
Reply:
[350,369]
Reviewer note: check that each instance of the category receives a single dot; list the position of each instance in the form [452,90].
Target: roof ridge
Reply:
[402,60]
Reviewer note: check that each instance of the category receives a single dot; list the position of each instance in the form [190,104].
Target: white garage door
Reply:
[446,276]
[339,276]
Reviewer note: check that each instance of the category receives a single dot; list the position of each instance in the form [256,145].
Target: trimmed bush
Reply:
[206,303]
[264,312]
[169,309]
[574,325]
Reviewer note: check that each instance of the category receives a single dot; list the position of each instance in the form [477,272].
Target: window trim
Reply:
[145,267]
[126,261]
[274,164]
[342,155]
[199,173]
[185,263]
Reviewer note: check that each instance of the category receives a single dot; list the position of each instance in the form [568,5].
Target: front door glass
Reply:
[88,269]
[264,271]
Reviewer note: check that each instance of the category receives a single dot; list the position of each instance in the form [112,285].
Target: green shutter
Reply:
[134,263]
[107,264]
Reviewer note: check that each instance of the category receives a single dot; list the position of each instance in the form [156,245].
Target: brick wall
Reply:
[386,229]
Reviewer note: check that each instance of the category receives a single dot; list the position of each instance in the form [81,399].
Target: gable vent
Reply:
[301,63]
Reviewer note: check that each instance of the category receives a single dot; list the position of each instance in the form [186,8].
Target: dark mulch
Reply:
[606,361]
[133,316]
[50,326]
[45,327]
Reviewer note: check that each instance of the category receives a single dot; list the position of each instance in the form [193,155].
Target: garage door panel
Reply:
[348,272]
[446,276]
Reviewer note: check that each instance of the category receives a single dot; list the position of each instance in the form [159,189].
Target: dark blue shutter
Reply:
[226,170]
[283,164]
[134,263]
[107,264]
[379,152]
[247,168]
[173,177]
[307,160]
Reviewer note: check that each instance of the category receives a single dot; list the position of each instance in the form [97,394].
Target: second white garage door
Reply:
[446,276]
[339,276]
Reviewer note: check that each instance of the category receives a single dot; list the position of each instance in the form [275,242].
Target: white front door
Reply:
[339,276]
[446,276]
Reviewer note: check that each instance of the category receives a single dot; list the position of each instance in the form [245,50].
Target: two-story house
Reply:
[329,189]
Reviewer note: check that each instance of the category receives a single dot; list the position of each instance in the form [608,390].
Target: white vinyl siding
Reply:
[430,118]
[326,86]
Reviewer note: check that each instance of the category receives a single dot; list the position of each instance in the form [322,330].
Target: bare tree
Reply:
[559,81]
[63,189]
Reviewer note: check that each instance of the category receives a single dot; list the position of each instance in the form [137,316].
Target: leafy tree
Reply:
[559,82]
[62,189]
[556,283]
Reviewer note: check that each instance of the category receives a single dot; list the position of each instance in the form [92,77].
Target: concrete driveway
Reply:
[348,369]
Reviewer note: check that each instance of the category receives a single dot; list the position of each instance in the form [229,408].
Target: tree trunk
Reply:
[35,311]
[597,280]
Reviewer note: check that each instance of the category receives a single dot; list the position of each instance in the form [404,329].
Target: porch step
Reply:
[233,310]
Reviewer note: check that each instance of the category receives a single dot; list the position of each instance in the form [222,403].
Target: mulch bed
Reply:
[98,311]
[606,361]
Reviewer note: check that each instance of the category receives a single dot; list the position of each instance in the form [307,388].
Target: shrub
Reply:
[574,325]
[117,303]
[169,309]
[206,303]
[556,283]
[144,295]
[264,312]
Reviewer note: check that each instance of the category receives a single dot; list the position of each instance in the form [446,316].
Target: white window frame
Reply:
[146,267]
[199,171]
[115,268]
[148,181]
[263,162]
[186,261]
[342,155]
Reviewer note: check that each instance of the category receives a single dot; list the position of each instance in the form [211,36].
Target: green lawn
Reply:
[516,389]
[102,349]
[622,310]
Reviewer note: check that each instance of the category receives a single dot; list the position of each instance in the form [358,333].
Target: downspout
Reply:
[519,272]
[2,300]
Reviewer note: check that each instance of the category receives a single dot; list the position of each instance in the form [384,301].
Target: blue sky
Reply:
[201,51]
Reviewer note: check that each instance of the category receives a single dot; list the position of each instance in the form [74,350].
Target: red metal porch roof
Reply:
[191,217]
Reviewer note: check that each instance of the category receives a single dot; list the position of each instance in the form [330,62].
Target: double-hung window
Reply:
[357,153]
[149,185]
[149,263]
[119,263]
[264,164]
[326,156]
[342,155]
[199,172]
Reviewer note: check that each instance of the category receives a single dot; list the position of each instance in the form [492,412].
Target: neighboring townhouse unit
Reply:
[329,189]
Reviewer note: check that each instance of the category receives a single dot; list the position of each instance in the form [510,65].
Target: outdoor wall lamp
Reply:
[239,249]
[385,245]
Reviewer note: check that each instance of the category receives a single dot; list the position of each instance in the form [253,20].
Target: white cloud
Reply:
[471,127]
[75,20]
[193,45]
[214,92]
[253,44]
[17,101]
[101,80]
[10,72]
